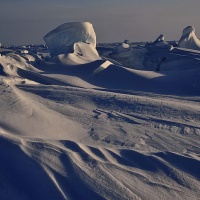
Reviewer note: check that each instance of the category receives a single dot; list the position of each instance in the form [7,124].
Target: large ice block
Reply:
[61,39]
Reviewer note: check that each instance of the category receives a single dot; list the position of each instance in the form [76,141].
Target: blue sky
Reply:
[26,21]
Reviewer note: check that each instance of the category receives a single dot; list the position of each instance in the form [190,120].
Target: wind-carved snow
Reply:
[73,43]
[83,53]
[189,39]
[78,127]
[62,39]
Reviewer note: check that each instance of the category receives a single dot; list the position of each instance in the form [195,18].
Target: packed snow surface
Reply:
[79,127]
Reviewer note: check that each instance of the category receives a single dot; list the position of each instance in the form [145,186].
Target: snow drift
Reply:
[83,53]
[189,39]
[73,128]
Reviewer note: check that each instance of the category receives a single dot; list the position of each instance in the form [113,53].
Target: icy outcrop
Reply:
[157,53]
[160,43]
[61,40]
[161,38]
[189,40]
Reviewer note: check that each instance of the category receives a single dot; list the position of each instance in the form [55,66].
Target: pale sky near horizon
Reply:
[26,21]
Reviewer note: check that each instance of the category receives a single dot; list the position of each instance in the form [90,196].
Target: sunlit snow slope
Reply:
[98,130]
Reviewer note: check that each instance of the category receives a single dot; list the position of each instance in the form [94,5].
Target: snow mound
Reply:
[62,39]
[189,39]
[123,47]
[83,53]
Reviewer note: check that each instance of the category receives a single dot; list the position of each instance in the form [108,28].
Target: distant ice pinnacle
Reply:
[160,43]
[189,39]
[62,39]
[161,38]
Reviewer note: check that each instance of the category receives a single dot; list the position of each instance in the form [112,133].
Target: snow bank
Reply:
[62,39]
[188,39]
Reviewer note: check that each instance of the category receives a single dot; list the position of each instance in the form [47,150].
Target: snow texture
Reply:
[79,127]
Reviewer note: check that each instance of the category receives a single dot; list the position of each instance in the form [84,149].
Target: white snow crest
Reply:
[189,39]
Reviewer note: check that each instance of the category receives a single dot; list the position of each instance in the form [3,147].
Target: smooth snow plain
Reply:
[82,126]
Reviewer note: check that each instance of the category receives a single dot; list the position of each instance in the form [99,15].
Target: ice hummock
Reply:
[189,39]
[160,43]
[61,40]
